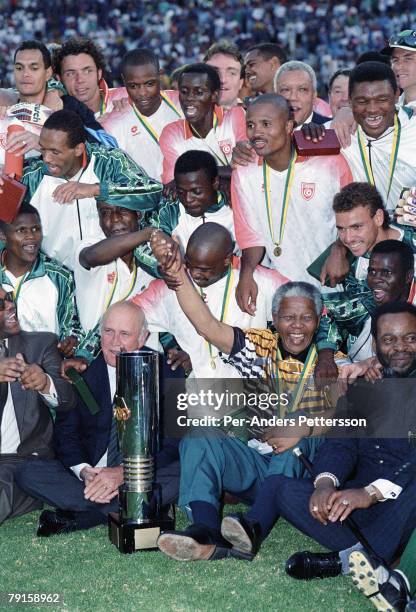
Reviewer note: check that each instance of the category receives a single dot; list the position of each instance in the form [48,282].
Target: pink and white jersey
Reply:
[108,95]
[139,136]
[30,116]
[163,313]
[229,127]
[379,151]
[310,222]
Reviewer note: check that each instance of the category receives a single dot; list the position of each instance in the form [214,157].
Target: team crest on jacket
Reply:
[307,191]
[226,147]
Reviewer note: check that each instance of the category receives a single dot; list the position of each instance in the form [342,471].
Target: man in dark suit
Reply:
[351,475]
[30,385]
[82,483]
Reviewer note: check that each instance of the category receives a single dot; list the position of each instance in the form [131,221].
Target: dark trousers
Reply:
[51,482]
[387,526]
[13,500]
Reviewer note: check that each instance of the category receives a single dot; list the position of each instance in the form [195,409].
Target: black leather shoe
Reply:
[243,534]
[307,565]
[197,543]
[51,523]
[389,596]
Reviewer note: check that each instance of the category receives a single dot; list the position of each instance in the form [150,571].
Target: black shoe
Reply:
[389,596]
[307,565]
[51,523]
[243,534]
[197,543]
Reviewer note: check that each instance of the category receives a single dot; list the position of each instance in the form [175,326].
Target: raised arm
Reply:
[109,249]
[217,333]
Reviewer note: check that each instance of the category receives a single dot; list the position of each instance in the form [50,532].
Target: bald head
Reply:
[210,238]
[123,328]
[274,100]
[209,253]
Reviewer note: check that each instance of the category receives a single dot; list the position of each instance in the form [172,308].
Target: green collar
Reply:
[38,268]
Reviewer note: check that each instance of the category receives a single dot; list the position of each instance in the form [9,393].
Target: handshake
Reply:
[31,376]
[168,254]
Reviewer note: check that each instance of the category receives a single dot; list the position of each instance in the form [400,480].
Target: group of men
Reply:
[187,222]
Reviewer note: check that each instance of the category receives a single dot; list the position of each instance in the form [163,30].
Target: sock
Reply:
[344,555]
[263,511]
[207,514]
[90,518]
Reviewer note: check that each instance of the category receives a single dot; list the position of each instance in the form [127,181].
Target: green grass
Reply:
[92,575]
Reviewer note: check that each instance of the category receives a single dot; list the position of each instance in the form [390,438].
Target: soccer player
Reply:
[80,65]
[262,61]
[137,129]
[63,185]
[402,51]
[281,203]
[206,126]
[225,57]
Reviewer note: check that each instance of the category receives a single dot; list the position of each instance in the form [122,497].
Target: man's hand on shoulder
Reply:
[336,266]
[70,191]
[243,154]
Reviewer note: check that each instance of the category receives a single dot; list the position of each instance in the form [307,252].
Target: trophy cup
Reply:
[139,521]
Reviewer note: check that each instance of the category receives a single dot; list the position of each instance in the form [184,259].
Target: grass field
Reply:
[91,574]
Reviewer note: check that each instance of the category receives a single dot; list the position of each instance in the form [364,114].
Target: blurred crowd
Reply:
[326,34]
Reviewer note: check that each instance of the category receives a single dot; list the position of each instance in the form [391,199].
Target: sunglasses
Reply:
[9,297]
[406,37]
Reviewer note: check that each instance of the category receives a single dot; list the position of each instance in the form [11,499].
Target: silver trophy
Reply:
[139,521]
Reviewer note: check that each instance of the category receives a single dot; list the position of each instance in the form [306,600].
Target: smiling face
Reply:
[260,71]
[23,240]
[196,97]
[373,106]
[61,159]
[296,86]
[9,325]
[396,341]
[30,74]
[296,323]
[268,128]
[387,279]
[116,221]
[121,330]
[358,230]
[403,63]
[80,76]
[229,70]
[196,191]
[338,96]
[143,86]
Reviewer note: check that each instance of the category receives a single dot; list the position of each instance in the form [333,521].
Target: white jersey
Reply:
[65,225]
[37,303]
[310,223]
[99,287]
[139,137]
[163,313]
[188,224]
[379,152]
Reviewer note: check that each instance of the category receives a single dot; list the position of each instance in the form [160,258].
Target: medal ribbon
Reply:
[114,285]
[286,196]
[304,375]
[393,155]
[170,104]
[224,308]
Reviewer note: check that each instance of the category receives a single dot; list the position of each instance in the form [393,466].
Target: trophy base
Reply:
[131,538]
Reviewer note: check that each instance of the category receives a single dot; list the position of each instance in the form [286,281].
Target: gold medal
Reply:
[277,251]
[213,366]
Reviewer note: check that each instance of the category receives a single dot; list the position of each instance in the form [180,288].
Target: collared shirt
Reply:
[379,153]
[45,297]
[133,137]
[310,223]
[163,313]
[177,137]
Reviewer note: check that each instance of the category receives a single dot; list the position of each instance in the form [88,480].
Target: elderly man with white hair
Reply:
[212,461]
[82,482]
[296,81]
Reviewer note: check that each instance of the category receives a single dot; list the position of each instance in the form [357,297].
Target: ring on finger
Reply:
[345,502]
[314,508]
